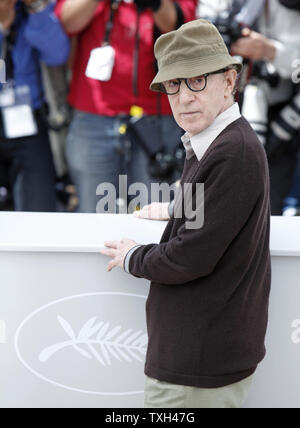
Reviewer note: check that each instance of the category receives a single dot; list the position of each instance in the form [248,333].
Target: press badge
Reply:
[17,113]
[101,63]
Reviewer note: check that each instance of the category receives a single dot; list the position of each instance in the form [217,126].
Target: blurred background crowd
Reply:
[76,109]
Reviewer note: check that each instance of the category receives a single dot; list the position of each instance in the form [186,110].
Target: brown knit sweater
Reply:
[207,308]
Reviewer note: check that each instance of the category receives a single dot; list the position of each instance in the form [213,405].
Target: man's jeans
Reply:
[27,164]
[97,153]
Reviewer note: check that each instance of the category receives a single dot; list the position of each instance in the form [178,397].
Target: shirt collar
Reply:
[198,144]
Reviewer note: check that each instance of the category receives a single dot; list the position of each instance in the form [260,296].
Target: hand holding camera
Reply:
[254,46]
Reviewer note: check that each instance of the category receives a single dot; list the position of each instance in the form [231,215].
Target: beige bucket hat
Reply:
[194,49]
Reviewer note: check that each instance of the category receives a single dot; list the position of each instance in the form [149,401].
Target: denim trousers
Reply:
[97,153]
[27,166]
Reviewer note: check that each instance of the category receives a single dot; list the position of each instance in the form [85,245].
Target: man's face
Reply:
[196,111]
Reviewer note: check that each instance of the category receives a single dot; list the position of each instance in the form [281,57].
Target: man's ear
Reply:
[230,78]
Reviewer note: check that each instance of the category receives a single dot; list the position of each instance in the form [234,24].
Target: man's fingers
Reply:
[246,32]
[154,211]
[141,214]
[110,266]
[109,253]
[137,213]
[111,244]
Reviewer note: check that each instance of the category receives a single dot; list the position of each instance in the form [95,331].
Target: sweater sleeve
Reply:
[45,33]
[192,254]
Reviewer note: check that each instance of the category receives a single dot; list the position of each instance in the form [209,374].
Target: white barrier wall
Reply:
[74,335]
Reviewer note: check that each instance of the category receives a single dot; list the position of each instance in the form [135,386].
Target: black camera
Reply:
[164,165]
[148,133]
[229,29]
[148,4]
[266,72]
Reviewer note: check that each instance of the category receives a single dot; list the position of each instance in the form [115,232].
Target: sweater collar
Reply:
[198,144]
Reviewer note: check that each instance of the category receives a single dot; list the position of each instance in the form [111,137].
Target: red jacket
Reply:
[117,96]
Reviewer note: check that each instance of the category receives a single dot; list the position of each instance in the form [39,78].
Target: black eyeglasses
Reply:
[195,84]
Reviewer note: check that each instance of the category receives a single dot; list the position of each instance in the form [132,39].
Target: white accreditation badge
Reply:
[7,97]
[17,113]
[101,63]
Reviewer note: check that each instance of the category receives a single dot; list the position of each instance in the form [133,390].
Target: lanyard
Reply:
[267,11]
[8,45]
[136,55]
[114,5]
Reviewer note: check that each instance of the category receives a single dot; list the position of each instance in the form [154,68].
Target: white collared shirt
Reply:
[198,144]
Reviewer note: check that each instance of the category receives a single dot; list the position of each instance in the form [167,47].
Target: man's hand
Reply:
[154,211]
[117,251]
[254,46]
[7,13]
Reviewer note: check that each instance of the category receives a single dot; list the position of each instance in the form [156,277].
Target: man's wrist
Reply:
[128,257]
[269,51]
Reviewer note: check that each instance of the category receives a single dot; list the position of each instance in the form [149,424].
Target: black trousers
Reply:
[26,165]
[282,167]
[282,172]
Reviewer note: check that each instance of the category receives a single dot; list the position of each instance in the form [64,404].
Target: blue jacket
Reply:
[40,37]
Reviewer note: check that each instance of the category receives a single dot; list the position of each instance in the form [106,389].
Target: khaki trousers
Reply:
[168,395]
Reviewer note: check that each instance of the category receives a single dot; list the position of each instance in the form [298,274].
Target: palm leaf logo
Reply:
[101,342]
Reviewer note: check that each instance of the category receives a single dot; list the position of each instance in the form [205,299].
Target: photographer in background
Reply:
[113,68]
[29,33]
[270,108]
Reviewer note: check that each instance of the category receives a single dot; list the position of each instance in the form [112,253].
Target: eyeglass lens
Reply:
[196,84]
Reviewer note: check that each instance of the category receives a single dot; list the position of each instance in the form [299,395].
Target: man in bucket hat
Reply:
[207,308]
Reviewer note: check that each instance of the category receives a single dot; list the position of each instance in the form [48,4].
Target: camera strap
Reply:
[8,45]
[114,5]
[136,56]
[267,12]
